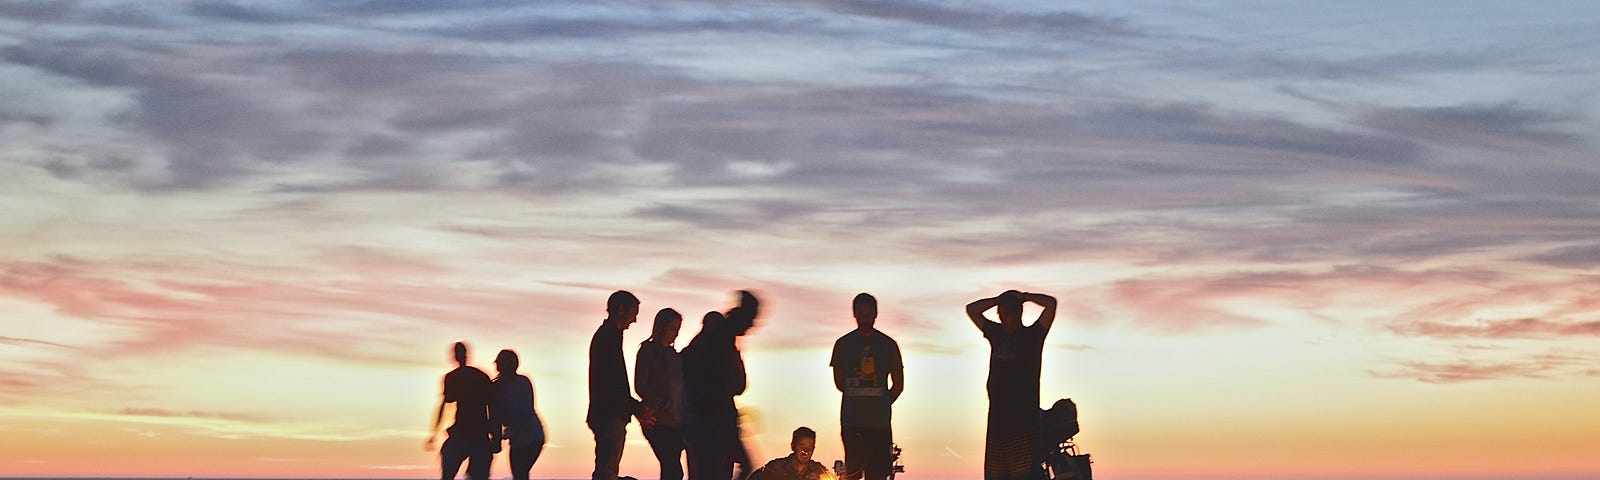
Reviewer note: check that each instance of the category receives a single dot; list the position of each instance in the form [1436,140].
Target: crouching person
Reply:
[798,465]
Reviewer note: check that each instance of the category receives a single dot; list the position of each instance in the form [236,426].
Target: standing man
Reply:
[868,371]
[611,402]
[470,438]
[1015,355]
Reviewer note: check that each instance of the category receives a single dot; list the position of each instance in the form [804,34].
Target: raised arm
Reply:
[1048,316]
[976,308]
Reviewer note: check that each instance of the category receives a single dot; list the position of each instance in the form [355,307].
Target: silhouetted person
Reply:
[713,373]
[470,437]
[611,402]
[868,371]
[512,410]
[658,377]
[1015,353]
[798,465]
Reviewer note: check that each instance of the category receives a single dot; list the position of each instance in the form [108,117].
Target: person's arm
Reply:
[1048,316]
[649,380]
[976,308]
[433,434]
[739,378]
[897,371]
[838,372]
[496,409]
[897,384]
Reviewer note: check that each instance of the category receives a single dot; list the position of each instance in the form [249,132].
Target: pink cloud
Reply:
[362,318]
[1515,328]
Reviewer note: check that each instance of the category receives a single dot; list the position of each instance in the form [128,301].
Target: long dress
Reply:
[1011,444]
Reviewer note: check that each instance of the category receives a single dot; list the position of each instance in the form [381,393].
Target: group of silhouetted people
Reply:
[685,402]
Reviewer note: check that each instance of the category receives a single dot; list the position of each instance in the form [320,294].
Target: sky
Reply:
[1290,239]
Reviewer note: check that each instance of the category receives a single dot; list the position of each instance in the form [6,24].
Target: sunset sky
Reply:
[1290,239]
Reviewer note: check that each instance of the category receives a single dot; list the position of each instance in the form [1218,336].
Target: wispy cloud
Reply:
[28,342]
[1543,366]
[1516,328]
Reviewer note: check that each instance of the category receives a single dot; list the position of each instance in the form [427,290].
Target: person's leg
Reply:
[667,444]
[522,458]
[609,435]
[481,458]
[723,456]
[693,449]
[534,451]
[451,454]
[739,454]
[854,453]
[1008,454]
[708,449]
[877,450]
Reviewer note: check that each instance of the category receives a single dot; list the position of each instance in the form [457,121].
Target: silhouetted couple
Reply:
[487,413]
[687,398]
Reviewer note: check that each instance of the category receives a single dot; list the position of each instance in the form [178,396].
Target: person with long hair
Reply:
[512,410]
[658,378]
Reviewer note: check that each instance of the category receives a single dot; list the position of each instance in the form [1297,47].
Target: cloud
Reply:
[730,214]
[182,310]
[1185,306]
[1517,328]
[29,341]
[1576,256]
[163,413]
[237,12]
[979,20]
[212,132]
[1502,126]
[37,11]
[1463,371]
[1549,366]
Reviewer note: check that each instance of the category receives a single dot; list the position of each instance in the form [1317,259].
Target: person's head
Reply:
[712,319]
[622,308]
[506,362]
[865,307]
[803,444]
[665,329]
[460,353]
[743,316]
[1009,307]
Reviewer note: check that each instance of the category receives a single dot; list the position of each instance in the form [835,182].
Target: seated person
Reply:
[798,465]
